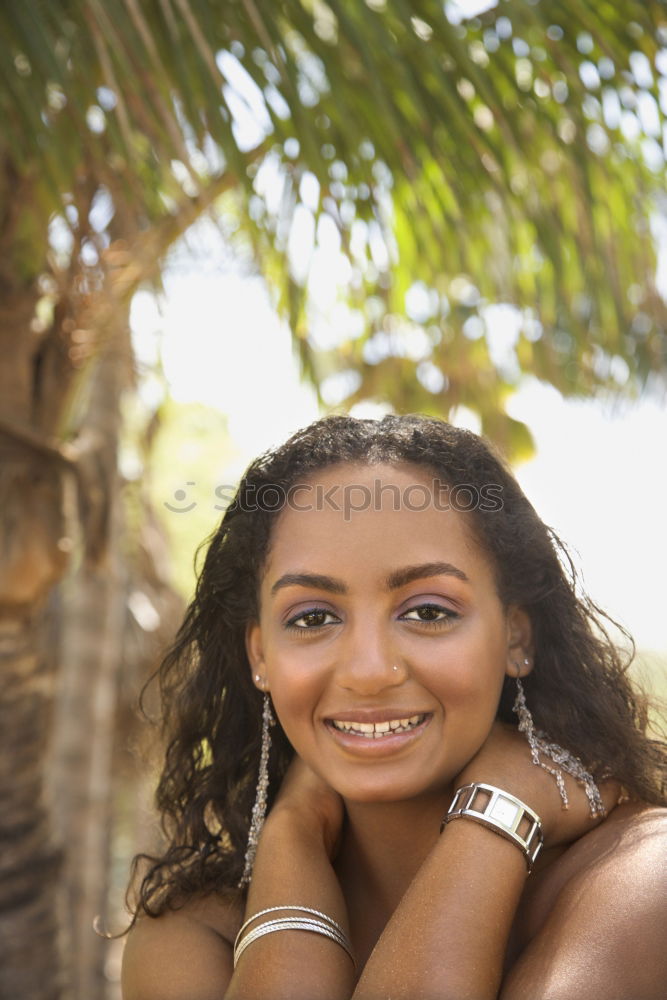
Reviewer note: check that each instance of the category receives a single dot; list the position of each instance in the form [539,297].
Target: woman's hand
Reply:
[311,801]
[504,760]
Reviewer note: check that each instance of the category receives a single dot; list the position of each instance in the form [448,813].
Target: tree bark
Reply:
[60,497]
[105,651]
[29,856]
[37,534]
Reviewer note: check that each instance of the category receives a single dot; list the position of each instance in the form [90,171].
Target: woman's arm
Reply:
[186,954]
[448,936]
[447,939]
[293,868]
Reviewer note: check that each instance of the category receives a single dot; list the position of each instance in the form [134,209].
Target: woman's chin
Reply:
[387,794]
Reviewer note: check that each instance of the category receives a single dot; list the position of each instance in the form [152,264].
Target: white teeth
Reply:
[376,730]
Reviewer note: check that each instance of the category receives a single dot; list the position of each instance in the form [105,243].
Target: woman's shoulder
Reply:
[632,838]
[622,859]
[594,919]
[219,912]
[186,952]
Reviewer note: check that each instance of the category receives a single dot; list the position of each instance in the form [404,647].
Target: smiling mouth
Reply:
[377,730]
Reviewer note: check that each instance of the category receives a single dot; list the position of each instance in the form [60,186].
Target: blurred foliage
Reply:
[516,157]
[649,670]
[184,465]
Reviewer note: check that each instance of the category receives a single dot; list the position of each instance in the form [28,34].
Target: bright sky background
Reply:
[599,478]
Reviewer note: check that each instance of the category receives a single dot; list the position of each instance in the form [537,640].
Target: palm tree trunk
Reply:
[29,857]
[80,768]
[32,559]
[89,650]
[46,952]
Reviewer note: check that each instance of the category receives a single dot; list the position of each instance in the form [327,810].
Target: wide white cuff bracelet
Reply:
[502,812]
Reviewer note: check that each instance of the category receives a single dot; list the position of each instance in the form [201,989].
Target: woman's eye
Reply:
[429,614]
[315,618]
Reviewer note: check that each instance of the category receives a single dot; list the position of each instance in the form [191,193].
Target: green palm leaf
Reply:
[515,156]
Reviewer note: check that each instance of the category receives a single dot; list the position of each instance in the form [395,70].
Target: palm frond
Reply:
[516,155]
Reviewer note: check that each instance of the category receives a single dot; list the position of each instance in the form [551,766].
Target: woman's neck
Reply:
[385,843]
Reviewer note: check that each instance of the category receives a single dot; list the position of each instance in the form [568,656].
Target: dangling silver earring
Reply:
[566,761]
[259,808]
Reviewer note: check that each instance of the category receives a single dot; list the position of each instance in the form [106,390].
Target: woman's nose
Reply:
[368,664]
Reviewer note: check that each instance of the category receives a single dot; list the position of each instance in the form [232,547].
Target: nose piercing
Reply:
[394,667]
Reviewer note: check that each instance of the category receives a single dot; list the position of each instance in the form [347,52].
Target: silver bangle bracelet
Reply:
[295,909]
[501,812]
[325,926]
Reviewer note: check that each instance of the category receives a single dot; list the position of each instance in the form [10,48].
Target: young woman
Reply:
[387,649]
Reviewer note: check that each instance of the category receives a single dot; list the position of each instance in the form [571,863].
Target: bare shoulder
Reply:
[633,837]
[184,954]
[599,915]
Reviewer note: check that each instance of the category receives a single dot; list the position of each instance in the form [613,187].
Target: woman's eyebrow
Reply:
[317,580]
[399,578]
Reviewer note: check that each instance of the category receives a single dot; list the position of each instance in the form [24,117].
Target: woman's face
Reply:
[381,637]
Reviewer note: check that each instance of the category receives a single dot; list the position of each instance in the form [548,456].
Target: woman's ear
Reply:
[253,646]
[520,656]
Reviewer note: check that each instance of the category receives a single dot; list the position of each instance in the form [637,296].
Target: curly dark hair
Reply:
[211,711]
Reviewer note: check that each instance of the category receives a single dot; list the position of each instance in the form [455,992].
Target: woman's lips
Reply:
[364,733]
[378,730]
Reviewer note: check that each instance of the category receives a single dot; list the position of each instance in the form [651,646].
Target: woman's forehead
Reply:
[348,490]
[356,487]
[400,514]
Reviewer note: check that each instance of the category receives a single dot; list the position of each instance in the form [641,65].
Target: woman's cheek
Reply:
[295,695]
[470,698]
[466,678]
